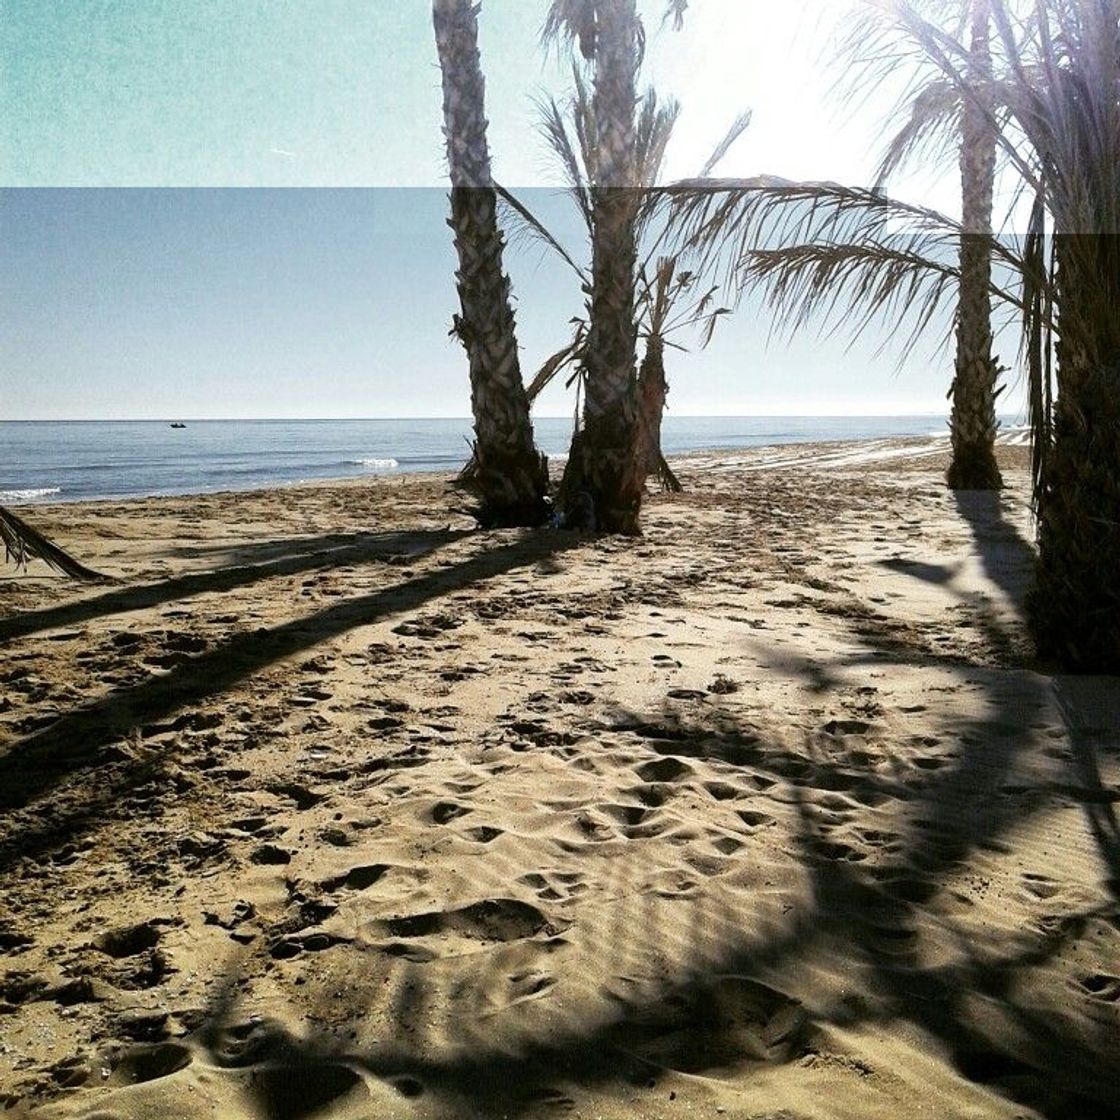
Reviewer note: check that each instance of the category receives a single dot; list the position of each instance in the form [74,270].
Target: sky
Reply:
[335,298]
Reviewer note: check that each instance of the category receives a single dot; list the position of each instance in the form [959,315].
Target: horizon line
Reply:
[362,419]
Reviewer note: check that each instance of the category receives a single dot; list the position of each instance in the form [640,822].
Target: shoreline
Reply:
[770,806]
[933,443]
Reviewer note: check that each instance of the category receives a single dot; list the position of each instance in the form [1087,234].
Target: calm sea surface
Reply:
[48,461]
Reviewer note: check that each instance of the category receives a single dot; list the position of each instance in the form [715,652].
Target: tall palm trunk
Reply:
[1072,118]
[603,461]
[1075,606]
[973,419]
[507,474]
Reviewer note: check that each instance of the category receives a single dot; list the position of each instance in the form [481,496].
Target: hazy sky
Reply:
[316,302]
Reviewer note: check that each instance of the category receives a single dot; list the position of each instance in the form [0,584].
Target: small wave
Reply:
[29,495]
[372,464]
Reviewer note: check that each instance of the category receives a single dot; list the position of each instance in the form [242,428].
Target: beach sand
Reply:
[335,807]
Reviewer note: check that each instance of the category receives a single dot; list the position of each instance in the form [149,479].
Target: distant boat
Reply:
[177,425]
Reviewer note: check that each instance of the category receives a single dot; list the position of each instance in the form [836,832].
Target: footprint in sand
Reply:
[1040,886]
[724,791]
[836,851]
[1102,986]
[667,769]
[483,834]
[753,819]
[494,919]
[638,821]
[545,891]
[444,811]
[357,878]
[149,1063]
[728,1022]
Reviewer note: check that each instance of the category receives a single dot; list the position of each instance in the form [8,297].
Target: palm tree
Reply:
[972,423]
[1062,94]
[1066,77]
[506,473]
[937,118]
[602,463]
[666,299]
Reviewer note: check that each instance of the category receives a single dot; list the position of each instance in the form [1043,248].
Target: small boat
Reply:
[178,425]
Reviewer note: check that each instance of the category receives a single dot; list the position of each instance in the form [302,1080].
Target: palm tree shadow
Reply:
[1090,713]
[88,737]
[1007,557]
[242,566]
[679,1026]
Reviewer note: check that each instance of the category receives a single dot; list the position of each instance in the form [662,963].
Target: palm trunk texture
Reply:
[972,423]
[604,461]
[507,474]
[652,390]
[1075,606]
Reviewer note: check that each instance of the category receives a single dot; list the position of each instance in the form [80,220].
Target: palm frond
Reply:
[674,13]
[738,126]
[22,543]
[570,153]
[825,249]
[571,354]
[931,131]
[522,222]
[570,21]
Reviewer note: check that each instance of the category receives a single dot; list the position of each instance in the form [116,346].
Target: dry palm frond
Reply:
[517,217]
[570,355]
[23,543]
[738,126]
[578,21]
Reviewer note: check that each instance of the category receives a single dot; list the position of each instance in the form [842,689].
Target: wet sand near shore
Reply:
[332,806]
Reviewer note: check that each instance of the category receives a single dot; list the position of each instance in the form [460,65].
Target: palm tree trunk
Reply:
[973,420]
[507,474]
[1075,606]
[604,462]
[652,390]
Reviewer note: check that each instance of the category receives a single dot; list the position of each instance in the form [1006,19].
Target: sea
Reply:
[82,460]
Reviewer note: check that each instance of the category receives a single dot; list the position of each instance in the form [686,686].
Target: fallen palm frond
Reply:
[23,543]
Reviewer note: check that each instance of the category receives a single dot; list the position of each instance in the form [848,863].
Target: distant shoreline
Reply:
[795,454]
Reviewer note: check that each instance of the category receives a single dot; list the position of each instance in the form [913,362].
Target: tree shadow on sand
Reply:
[242,566]
[96,735]
[721,1013]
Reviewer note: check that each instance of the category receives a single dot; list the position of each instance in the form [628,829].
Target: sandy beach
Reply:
[333,806]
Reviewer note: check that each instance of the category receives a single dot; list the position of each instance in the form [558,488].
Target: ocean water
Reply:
[59,461]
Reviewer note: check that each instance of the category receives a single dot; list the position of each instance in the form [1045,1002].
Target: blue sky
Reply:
[336,302]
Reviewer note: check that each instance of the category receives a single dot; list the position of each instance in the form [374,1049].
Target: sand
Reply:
[332,806]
